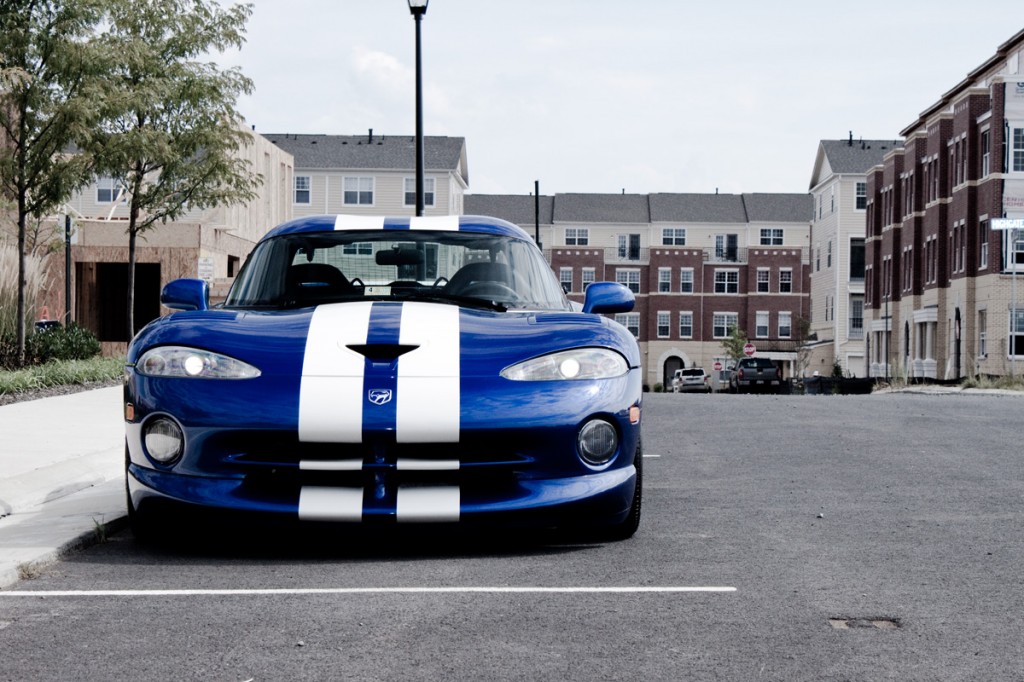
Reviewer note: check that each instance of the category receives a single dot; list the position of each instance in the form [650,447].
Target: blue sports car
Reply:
[388,370]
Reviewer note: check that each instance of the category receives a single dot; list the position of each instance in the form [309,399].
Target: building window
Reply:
[302,186]
[630,321]
[1016,249]
[856,316]
[727,247]
[673,236]
[763,280]
[588,277]
[358,249]
[565,277]
[785,281]
[761,327]
[1017,333]
[828,255]
[856,258]
[982,333]
[631,278]
[664,280]
[686,325]
[686,280]
[357,191]
[727,281]
[629,246]
[723,324]
[664,324]
[428,191]
[771,236]
[785,324]
[577,236]
[986,153]
[983,245]
[1017,154]
[106,190]
[862,196]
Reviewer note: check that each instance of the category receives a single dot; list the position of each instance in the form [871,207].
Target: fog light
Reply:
[598,441]
[163,440]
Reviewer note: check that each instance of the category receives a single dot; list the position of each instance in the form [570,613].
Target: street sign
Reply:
[718,366]
[749,349]
[1007,223]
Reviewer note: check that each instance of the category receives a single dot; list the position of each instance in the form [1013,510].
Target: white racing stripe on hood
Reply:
[427,392]
[331,391]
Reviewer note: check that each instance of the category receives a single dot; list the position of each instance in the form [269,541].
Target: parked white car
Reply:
[692,379]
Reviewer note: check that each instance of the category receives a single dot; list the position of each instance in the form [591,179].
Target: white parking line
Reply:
[363,590]
[651,456]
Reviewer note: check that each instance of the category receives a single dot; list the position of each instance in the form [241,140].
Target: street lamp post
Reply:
[418,8]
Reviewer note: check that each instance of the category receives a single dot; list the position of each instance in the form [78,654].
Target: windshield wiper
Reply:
[442,297]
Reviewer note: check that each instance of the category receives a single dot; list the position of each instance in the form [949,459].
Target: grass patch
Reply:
[61,373]
[1006,383]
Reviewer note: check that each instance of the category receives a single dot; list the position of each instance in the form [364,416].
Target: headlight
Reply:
[579,363]
[192,363]
[598,441]
[163,439]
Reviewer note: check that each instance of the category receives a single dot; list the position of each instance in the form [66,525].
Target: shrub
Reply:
[63,343]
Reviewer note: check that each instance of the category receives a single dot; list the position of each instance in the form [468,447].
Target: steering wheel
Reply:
[491,289]
[439,280]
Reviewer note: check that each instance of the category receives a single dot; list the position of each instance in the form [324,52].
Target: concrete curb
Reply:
[37,537]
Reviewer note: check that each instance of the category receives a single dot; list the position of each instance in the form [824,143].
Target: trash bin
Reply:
[812,384]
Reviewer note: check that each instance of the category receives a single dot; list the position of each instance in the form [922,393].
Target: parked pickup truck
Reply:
[755,374]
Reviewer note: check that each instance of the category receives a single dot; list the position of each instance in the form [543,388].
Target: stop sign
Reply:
[749,349]
[718,366]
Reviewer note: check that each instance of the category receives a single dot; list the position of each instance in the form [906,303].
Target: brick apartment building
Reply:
[699,264]
[940,276]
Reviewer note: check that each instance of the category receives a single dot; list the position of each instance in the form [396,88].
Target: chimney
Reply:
[371,135]
[850,143]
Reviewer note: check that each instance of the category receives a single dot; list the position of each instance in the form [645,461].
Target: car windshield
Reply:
[483,270]
[693,372]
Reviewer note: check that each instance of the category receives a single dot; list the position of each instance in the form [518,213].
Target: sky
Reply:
[603,96]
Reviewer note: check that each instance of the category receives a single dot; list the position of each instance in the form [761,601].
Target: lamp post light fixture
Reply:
[418,8]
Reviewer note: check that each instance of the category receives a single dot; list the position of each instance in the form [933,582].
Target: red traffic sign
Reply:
[749,349]
[718,366]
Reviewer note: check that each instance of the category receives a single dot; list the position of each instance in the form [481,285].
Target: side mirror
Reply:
[608,297]
[186,294]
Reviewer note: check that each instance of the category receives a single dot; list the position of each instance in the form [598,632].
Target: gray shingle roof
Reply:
[779,208]
[697,208]
[602,208]
[379,152]
[515,208]
[858,157]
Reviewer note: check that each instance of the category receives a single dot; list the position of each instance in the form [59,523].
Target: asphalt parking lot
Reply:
[784,538]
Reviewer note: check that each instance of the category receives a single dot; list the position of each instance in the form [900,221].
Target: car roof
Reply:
[464,223]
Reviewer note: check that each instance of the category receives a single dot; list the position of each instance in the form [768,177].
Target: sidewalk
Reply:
[61,476]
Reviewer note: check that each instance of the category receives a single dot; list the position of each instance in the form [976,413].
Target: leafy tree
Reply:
[733,344]
[49,62]
[171,134]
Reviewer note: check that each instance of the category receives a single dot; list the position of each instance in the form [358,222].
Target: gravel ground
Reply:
[50,391]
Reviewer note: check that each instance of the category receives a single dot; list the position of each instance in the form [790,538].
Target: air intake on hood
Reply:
[381,352]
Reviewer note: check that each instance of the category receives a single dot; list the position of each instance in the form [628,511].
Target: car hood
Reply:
[338,338]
